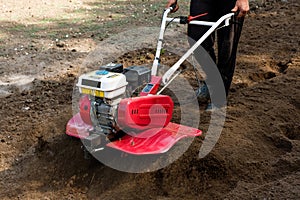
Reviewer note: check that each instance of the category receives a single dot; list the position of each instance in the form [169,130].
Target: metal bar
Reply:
[173,69]
[196,22]
[160,42]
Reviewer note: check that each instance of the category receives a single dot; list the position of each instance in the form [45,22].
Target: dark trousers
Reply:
[227,38]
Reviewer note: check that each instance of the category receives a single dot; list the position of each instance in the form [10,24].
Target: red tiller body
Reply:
[146,112]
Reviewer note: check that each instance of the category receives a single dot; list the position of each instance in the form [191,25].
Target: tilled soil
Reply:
[256,157]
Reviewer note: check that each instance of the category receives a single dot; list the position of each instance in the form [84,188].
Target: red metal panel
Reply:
[85,108]
[161,140]
[145,112]
[155,82]
[77,128]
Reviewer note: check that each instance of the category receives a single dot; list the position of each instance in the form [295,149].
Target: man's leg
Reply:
[195,32]
[228,39]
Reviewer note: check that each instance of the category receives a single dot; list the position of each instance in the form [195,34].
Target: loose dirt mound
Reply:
[257,156]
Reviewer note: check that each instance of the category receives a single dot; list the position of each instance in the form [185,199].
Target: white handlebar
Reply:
[160,41]
[214,26]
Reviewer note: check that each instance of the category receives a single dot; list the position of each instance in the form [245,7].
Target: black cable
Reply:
[171,22]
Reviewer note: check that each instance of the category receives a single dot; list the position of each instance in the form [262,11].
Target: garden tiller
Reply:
[136,125]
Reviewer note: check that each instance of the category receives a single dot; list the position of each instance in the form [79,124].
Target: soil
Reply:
[256,157]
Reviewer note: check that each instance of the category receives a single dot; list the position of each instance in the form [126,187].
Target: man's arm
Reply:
[170,2]
[242,6]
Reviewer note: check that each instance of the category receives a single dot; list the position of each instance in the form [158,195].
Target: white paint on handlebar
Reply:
[160,42]
[174,68]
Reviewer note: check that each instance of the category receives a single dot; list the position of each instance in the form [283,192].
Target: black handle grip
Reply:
[173,6]
[236,13]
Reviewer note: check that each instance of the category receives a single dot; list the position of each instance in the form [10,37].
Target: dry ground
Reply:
[44,43]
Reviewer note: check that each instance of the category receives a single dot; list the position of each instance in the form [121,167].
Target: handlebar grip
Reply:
[173,6]
[236,13]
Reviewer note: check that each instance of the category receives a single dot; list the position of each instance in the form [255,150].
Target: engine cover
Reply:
[103,84]
[145,112]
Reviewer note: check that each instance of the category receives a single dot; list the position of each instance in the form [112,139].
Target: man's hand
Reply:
[171,2]
[242,6]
